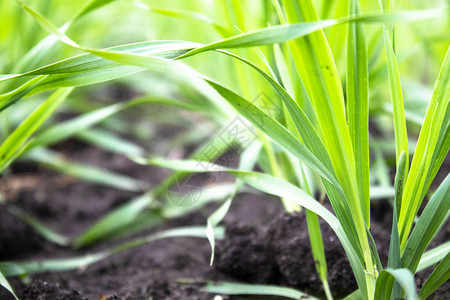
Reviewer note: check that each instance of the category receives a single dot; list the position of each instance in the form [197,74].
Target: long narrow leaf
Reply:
[109,141]
[439,276]
[385,283]
[22,133]
[440,151]
[283,33]
[114,221]
[54,161]
[247,162]
[433,256]
[229,288]
[66,129]
[434,215]
[190,15]
[4,283]
[40,228]
[394,258]
[358,106]
[274,130]
[64,264]
[401,136]
[431,132]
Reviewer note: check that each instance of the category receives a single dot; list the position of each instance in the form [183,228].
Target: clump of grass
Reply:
[320,141]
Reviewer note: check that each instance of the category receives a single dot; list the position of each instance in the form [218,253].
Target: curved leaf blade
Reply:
[229,288]
[386,280]
[439,276]
[434,215]
[358,106]
[22,133]
[275,131]
[5,284]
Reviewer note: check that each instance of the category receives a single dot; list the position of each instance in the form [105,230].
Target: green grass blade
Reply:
[433,256]
[64,130]
[11,268]
[22,133]
[440,151]
[90,6]
[439,276]
[12,97]
[282,33]
[358,106]
[7,163]
[114,221]
[247,162]
[4,283]
[192,16]
[109,141]
[229,288]
[430,133]
[45,48]
[64,264]
[386,280]
[375,254]
[283,70]
[315,237]
[40,228]
[381,192]
[212,221]
[394,257]
[434,215]
[54,161]
[275,131]
[399,184]
[90,62]
[304,126]
[401,136]
[46,25]
[192,231]
[89,69]
[51,265]
[356,295]
[132,60]
[213,193]
[9,76]
[265,36]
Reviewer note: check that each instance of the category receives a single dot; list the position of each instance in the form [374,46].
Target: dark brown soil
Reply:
[40,290]
[262,244]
